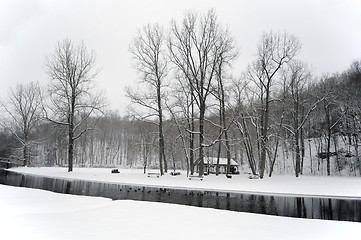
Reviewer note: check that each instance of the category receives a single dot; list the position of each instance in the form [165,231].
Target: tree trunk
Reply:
[247,145]
[328,153]
[356,153]
[173,158]
[302,142]
[222,120]
[25,151]
[309,147]
[336,150]
[161,137]
[218,157]
[228,153]
[328,122]
[191,138]
[297,152]
[296,127]
[202,110]
[264,137]
[274,158]
[71,133]
[70,149]
[273,161]
[219,139]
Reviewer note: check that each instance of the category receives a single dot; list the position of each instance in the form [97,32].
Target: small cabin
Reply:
[210,165]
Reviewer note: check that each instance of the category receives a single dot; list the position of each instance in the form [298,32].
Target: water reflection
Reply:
[301,207]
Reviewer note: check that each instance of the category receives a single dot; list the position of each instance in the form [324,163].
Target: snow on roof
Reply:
[222,161]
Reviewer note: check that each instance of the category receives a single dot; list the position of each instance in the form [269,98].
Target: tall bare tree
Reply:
[149,58]
[227,53]
[24,112]
[244,119]
[73,99]
[195,51]
[332,114]
[296,77]
[183,115]
[274,51]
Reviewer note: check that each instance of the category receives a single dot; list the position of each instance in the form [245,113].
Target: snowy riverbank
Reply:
[38,214]
[304,185]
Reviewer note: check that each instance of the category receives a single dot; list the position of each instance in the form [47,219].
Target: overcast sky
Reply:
[330,32]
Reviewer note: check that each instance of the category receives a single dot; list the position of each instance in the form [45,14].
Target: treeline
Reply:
[275,117]
[328,139]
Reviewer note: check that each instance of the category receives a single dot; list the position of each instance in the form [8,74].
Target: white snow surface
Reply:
[331,186]
[37,214]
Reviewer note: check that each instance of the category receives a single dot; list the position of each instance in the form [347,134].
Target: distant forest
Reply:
[274,118]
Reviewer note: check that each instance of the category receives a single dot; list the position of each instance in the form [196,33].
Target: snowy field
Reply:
[38,214]
[304,185]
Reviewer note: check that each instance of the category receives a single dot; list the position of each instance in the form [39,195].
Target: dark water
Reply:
[290,206]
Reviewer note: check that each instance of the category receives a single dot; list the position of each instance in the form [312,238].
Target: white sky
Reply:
[330,31]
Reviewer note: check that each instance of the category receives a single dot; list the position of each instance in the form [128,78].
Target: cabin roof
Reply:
[222,161]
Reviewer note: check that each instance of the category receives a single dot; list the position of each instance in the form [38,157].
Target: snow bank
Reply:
[304,185]
[38,214]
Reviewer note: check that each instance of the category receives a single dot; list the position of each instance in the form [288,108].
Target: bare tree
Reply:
[227,53]
[332,117]
[24,112]
[150,62]
[244,119]
[296,78]
[183,116]
[274,51]
[195,51]
[72,91]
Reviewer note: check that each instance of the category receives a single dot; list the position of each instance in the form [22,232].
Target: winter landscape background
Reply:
[193,91]
[272,87]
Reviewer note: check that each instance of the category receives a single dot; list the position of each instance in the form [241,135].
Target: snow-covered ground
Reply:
[305,185]
[38,214]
